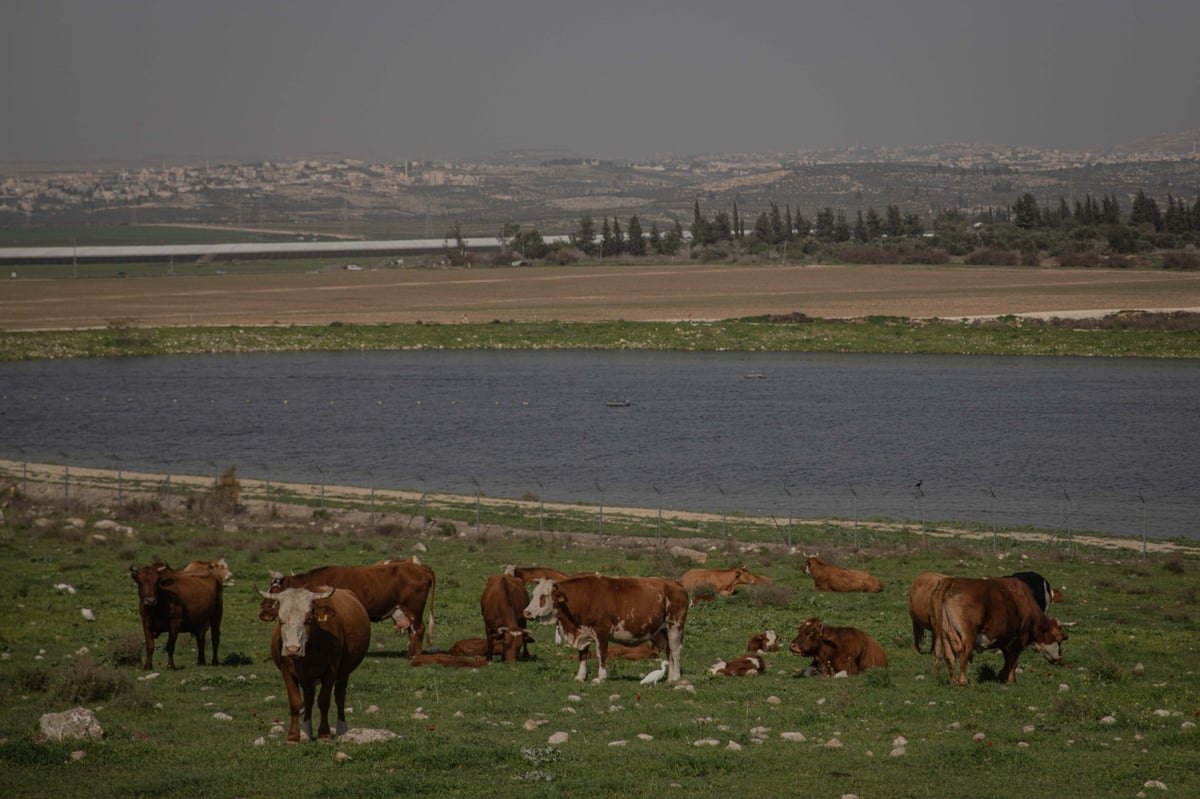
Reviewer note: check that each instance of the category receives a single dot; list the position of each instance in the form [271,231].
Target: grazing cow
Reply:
[531,574]
[837,649]
[320,636]
[920,605]
[629,610]
[1039,586]
[453,661]
[763,642]
[503,604]
[721,581]
[835,578]
[739,667]
[997,614]
[395,589]
[218,567]
[175,602]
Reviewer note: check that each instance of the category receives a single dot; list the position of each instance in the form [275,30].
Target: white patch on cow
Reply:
[982,641]
[295,604]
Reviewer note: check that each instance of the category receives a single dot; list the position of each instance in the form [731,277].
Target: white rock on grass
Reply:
[222,716]
[78,722]
[362,735]
[733,746]
[706,742]
[792,736]
[1159,784]
[558,738]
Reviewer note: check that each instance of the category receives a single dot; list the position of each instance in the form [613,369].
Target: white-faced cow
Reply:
[745,665]
[175,602]
[921,609]
[997,614]
[629,610]
[767,641]
[320,637]
[395,589]
[827,577]
[837,649]
[503,604]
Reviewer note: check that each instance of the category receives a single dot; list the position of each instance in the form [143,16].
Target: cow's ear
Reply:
[324,613]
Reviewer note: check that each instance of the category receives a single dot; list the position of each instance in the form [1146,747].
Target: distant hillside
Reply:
[1182,143]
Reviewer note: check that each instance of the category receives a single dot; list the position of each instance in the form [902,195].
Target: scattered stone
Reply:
[260,741]
[833,743]
[78,722]
[1022,745]
[690,554]
[617,743]
[733,746]
[1109,720]
[342,757]
[1028,728]
[222,716]
[533,724]
[900,741]
[1160,712]
[574,698]
[1155,784]
[706,742]
[792,736]
[70,589]
[898,751]
[372,708]
[87,614]
[558,738]
[1187,725]
[774,700]
[362,735]
[977,737]
[1063,687]
[645,736]
[759,731]
[277,729]
[1139,669]
[419,716]
[78,754]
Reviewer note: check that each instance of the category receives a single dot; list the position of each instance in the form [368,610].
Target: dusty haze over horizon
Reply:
[141,80]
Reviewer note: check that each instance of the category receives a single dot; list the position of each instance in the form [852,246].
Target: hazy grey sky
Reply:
[390,79]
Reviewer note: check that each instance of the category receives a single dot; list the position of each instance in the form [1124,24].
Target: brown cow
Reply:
[320,636]
[721,581]
[837,649]
[395,589]
[997,614]
[531,574]
[920,605]
[628,610]
[475,647]
[739,667]
[502,605]
[218,567]
[643,651]
[454,661]
[763,642]
[175,602]
[835,578]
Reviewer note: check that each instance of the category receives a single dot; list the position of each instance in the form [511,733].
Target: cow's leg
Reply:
[294,707]
[306,720]
[918,636]
[674,647]
[215,628]
[172,634]
[323,706]
[149,664]
[581,675]
[201,638]
[1012,656]
[339,699]
[601,659]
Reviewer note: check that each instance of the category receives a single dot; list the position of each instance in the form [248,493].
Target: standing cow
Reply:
[629,610]
[320,636]
[834,578]
[175,602]
[503,604]
[921,609]
[837,649]
[976,615]
[395,589]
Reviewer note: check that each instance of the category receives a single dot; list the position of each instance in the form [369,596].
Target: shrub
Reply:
[991,256]
[1084,258]
[1181,260]
[84,680]
[127,650]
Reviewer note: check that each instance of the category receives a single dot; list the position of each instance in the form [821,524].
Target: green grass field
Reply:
[1098,726]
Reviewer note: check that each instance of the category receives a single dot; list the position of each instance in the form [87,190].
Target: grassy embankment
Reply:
[1004,336]
[1111,724]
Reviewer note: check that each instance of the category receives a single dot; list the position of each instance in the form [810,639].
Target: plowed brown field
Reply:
[591,293]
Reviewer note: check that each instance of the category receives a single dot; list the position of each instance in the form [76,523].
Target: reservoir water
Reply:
[1090,444]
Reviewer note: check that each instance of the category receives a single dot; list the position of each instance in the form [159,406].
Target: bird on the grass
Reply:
[657,675]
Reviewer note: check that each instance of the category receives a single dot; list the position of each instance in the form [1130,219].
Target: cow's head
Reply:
[808,639]
[543,603]
[149,579]
[269,609]
[297,609]
[1049,641]
[509,640]
[809,562]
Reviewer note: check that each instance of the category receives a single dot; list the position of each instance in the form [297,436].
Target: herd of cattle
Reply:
[322,621]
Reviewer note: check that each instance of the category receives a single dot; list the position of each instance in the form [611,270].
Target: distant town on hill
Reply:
[550,191]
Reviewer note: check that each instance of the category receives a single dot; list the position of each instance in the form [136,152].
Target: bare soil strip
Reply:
[589,293]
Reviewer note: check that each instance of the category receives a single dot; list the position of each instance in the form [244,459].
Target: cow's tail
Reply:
[429,622]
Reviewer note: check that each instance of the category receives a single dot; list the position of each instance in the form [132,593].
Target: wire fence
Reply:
[855,511]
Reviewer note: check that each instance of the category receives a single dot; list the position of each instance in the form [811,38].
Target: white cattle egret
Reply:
[658,675]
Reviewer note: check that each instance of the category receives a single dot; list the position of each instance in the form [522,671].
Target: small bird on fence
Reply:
[658,675]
